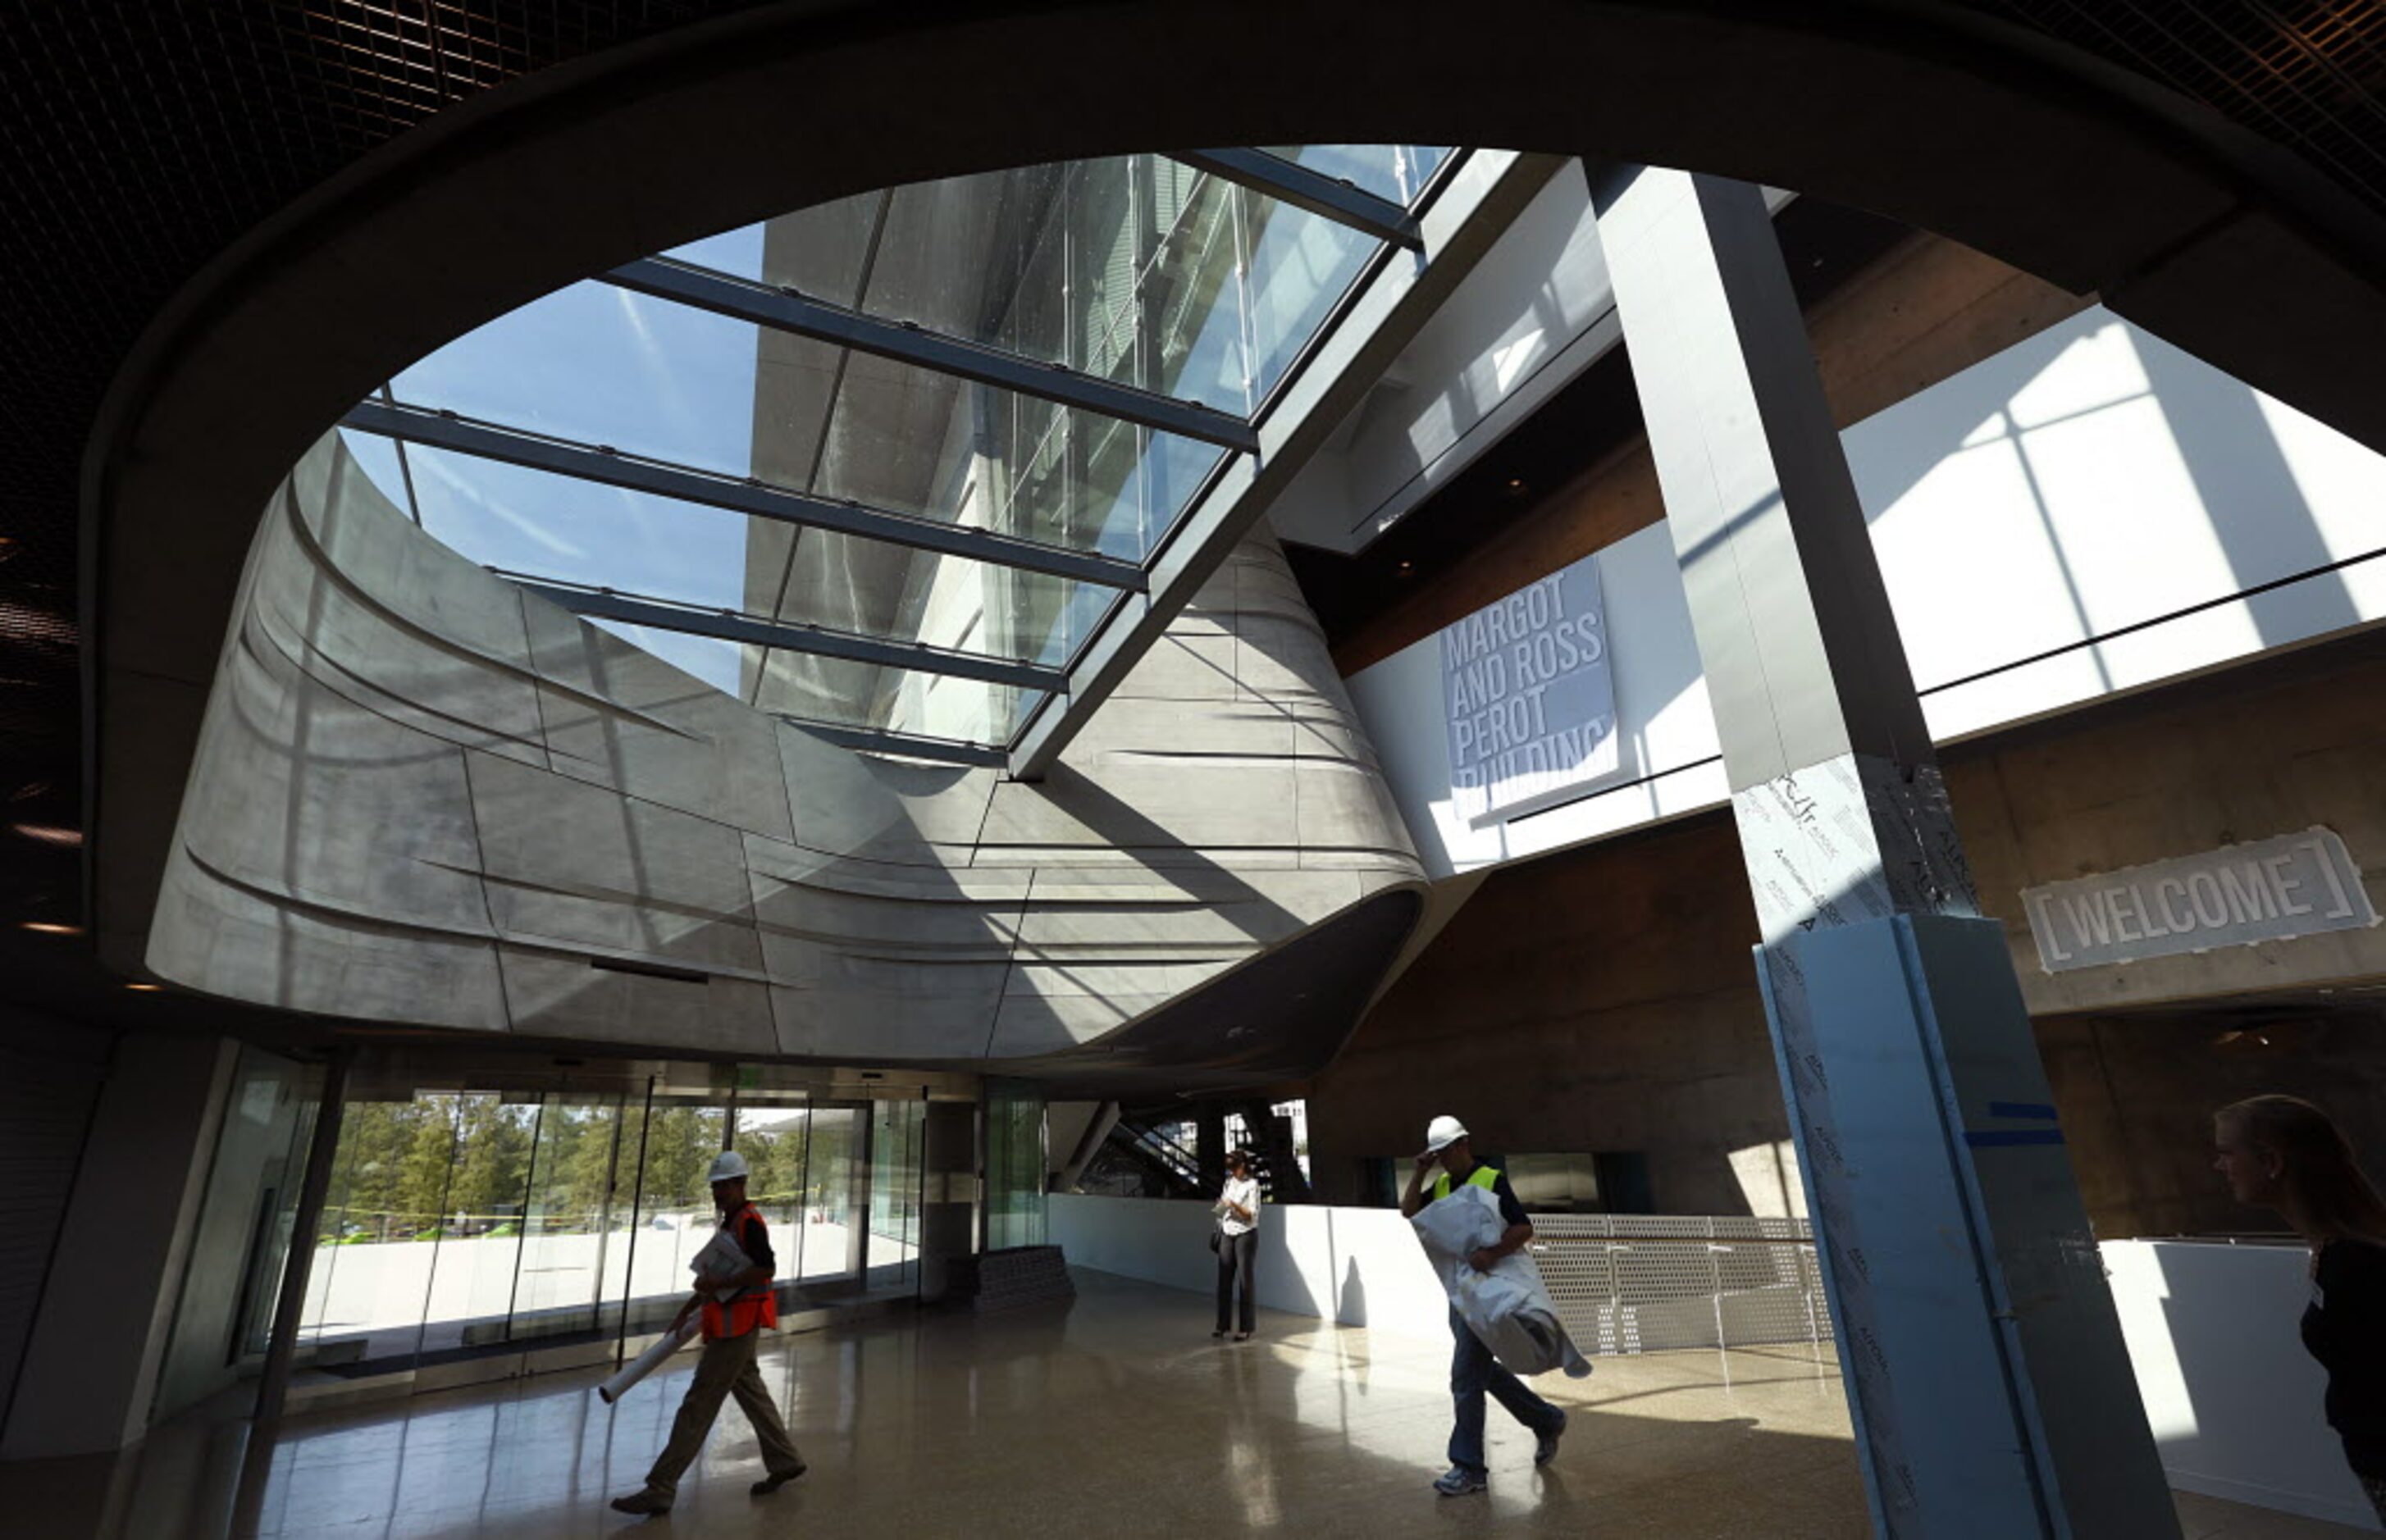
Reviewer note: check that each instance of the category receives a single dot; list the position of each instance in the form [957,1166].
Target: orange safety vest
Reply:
[756,1307]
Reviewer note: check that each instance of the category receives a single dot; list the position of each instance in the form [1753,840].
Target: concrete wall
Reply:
[1602,997]
[1600,1000]
[421,797]
[2221,759]
[2138,1093]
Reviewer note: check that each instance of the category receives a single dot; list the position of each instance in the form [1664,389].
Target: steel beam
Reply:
[439,430]
[785,310]
[1327,197]
[953,751]
[818,641]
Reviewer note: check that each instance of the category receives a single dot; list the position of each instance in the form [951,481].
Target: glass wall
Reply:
[459,1219]
[674,1209]
[1015,1164]
[573,1226]
[232,1278]
[892,1257]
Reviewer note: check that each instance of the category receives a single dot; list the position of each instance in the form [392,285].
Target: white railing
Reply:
[1647,1282]
[1630,1284]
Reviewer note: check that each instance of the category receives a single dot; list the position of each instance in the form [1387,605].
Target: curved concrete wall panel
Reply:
[422,796]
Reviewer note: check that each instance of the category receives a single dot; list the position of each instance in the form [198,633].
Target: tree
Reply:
[492,1161]
[421,1187]
[585,1164]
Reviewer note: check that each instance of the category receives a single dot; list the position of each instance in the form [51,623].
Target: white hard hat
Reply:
[1444,1132]
[728,1166]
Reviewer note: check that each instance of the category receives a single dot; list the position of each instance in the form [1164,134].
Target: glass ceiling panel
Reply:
[1300,265]
[847,693]
[602,364]
[1076,264]
[539,524]
[1396,173]
[819,251]
[1135,268]
[913,441]
[599,365]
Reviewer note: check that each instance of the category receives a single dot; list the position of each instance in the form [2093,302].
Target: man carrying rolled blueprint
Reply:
[1474,1371]
[734,1298]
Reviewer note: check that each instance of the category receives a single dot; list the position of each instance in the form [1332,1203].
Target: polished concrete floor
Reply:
[1119,1416]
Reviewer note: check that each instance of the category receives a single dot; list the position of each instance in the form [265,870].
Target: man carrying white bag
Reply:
[1501,1319]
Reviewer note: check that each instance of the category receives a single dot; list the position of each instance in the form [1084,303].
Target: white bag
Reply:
[1508,1308]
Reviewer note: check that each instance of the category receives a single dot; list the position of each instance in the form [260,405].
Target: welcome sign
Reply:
[2270,890]
[1529,701]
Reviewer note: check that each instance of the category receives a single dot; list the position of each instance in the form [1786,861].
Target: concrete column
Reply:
[1990,1388]
[91,1367]
[949,1160]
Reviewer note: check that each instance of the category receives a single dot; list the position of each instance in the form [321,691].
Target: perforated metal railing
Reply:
[1645,1284]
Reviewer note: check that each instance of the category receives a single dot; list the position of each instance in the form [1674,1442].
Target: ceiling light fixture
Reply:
[145,988]
[50,928]
[47,833]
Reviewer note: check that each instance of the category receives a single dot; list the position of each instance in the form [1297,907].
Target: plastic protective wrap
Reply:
[1507,1307]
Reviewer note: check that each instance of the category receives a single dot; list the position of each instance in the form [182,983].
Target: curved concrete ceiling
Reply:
[2083,176]
[425,797]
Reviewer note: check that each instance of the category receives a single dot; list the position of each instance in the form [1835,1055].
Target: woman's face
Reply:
[2251,1170]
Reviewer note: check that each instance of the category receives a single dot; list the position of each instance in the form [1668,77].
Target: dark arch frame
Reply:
[2082,174]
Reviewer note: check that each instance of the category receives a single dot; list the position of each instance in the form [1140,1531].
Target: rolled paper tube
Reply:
[645,1363]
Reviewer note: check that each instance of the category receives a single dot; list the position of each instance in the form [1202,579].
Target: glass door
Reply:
[832,1246]
[679,1136]
[573,1226]
[891,1253]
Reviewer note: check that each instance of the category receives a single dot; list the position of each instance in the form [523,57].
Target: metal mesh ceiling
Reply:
[2308,74]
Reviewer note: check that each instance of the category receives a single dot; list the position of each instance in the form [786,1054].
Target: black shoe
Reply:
[772,1483]
[643,1502]
[1242,1336]
[1218,1335]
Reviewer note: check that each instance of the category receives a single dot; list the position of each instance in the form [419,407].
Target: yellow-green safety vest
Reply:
[1481,1176]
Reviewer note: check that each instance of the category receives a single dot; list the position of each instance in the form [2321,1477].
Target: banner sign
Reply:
[2270,890]
[1530,706]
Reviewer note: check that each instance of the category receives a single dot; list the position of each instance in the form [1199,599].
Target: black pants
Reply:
[1234,1254]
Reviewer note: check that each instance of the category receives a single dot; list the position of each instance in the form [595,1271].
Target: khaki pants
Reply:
[727,1368]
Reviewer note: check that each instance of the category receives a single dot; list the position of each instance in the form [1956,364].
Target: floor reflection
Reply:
[1117,1416]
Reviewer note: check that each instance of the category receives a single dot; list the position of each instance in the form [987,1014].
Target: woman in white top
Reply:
[1238,1237]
